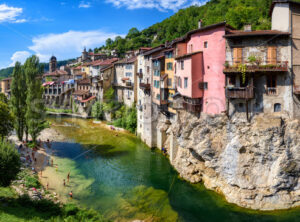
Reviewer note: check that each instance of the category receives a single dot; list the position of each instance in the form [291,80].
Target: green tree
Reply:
[97,111]
[9,163]
[35,113]
[18,99]
[6,118]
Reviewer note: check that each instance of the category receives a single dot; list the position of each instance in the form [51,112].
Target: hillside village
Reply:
[212,70]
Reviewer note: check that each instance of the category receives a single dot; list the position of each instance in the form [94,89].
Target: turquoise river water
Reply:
[121,177]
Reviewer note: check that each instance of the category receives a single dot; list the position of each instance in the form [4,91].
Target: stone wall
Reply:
[254,165]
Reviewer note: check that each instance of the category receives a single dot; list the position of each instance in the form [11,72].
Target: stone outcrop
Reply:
[254,165]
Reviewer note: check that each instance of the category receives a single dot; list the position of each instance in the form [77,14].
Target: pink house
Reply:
[200,57]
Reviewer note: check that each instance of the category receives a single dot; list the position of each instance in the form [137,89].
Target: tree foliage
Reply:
[9,163]
[35,113]
[18,99]
[97,111]
[236,12]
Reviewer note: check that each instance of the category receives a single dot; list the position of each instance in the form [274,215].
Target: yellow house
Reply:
[170,71]
[85,67]
[5,86]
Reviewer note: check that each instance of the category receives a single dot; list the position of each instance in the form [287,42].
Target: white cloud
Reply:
[10,14]
[69,44]
[84,4]
[19,56]
[161,5]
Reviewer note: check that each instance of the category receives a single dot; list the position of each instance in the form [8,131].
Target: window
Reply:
[203,85]
[128,74]
[170,55]
[169,66]
[271,81]
[169,82]
[231,80]
[158,96]
[179,82]
[148,69]
[156,84]
[182,65]
[156,63]
[128,66]
[205,44]
[156,73]
[185,82]
[277,107]
[191,48]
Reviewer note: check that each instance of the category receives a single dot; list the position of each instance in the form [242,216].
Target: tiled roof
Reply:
[80,92]
[159,56]
[80,73]
[107,67]
[104,62]
[85,81]
[88,99]
[56,73]
[239,33]
[188,55]
[154,50]
[7,79]
[126,60]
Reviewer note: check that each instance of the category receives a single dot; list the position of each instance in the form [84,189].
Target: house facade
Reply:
[200,56]
[171,83]
[257,67]
[285,16]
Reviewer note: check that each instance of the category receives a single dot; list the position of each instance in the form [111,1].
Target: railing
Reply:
[239,93]
[194,108]
[297,89]
[263,67]
[271,91]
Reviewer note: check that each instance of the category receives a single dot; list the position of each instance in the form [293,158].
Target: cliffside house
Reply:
[5,86]
[125,81]
[285,16]
[96,66]
[257,71]
[200,56]
[106,80]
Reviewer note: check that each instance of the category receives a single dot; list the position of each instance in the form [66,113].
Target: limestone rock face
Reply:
[254,165]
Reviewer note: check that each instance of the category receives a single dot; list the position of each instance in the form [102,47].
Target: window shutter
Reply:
[237,56]
[272,55]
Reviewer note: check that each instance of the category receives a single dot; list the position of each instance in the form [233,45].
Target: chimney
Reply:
[200,24]
[248,28]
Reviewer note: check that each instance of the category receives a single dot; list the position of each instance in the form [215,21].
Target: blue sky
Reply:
[63,27]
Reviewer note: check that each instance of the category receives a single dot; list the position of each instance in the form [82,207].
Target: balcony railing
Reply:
[297,89]
[250,68]
[239,93]
[194,108]
[271,91]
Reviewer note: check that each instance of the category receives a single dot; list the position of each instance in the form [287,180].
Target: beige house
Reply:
[5,86]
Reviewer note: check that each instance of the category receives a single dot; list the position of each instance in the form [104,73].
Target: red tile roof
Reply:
[104,62]
[188,55]
[239,33]
[56,73]
[85,81]
[89,99]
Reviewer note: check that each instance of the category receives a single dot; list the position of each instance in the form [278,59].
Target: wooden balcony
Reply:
[145,86]
[297,89]
[250,68]
[140,75]
[193,108]
[239,93]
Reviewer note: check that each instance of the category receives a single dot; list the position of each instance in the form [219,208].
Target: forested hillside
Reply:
[235,12]
[4,73]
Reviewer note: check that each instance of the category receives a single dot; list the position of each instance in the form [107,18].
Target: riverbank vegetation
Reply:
[59,110]
[15,208]
[121,115]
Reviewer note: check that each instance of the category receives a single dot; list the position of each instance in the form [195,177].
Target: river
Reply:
[121,177]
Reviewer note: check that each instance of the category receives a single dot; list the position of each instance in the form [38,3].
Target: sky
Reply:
[64,27]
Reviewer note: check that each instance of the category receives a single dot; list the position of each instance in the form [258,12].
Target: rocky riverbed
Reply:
[254,165]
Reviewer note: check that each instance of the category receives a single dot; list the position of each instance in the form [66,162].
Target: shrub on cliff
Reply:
[9,163]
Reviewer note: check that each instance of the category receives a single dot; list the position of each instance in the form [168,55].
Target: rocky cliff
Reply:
[254,165]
